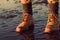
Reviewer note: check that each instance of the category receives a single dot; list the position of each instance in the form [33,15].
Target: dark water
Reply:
[10,19]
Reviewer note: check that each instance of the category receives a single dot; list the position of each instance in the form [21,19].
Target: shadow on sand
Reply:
[53,35]
[28,35]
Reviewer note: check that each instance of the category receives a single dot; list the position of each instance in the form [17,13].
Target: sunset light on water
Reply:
[11,12]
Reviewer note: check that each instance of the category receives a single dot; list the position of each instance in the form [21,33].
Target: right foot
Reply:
[53,23]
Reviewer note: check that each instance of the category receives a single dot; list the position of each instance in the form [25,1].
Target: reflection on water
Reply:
[27,35]
[53,35]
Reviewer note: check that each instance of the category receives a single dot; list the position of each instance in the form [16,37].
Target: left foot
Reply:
[27,21]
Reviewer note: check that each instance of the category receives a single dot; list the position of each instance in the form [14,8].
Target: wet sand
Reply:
[10,19]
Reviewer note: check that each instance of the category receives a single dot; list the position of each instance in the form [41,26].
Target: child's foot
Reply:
[27,21]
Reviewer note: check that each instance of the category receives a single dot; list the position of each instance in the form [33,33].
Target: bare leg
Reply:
[53,19]
[27,20]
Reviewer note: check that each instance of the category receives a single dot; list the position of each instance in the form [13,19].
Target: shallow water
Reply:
[10,19]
